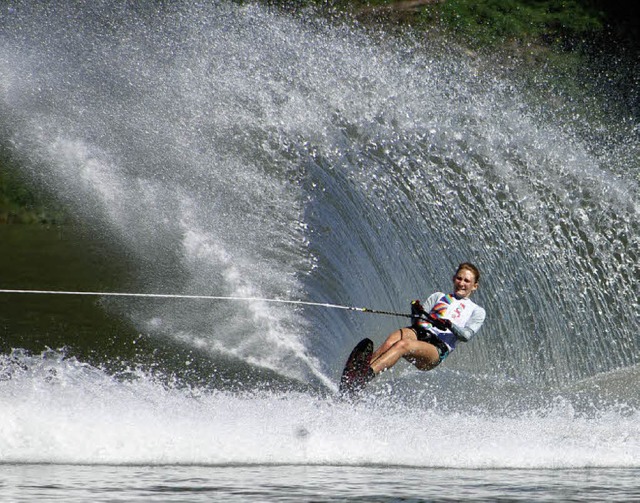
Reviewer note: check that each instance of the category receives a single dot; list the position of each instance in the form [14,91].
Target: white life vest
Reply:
[450,308]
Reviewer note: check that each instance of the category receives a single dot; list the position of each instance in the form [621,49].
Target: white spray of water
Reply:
[88,417]
[237,152]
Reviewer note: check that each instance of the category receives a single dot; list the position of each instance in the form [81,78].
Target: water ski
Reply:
[355,370]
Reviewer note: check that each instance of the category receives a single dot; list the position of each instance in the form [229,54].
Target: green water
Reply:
[61,258]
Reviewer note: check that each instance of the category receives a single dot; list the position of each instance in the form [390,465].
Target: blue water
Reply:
[234,151]
[312,483]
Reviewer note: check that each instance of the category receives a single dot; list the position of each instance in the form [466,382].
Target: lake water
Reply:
[311,483]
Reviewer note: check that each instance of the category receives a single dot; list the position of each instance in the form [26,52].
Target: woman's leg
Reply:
[390,341]
[404,343]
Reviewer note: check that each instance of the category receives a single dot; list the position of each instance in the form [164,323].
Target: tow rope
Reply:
[205,297]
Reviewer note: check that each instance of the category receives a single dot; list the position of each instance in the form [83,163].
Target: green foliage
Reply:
[560,23]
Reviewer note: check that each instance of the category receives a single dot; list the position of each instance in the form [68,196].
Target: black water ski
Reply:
[355,370]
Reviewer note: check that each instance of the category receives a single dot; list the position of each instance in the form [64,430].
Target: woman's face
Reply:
[464,283]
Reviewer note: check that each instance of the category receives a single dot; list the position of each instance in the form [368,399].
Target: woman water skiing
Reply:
[437,326]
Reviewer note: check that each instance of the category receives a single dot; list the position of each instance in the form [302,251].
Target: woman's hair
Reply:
[470,267]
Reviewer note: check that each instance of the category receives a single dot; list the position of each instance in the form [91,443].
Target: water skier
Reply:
[436,328]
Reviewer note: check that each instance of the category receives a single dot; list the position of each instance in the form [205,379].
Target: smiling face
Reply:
[464,283]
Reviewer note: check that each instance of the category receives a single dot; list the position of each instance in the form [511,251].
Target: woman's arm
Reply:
[467,332]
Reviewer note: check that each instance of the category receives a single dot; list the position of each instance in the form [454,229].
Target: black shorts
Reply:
[425,336]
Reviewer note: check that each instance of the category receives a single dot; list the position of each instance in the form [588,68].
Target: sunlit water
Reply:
[233,151]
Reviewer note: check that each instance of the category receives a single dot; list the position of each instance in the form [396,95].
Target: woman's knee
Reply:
[390,341]
[405,346]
